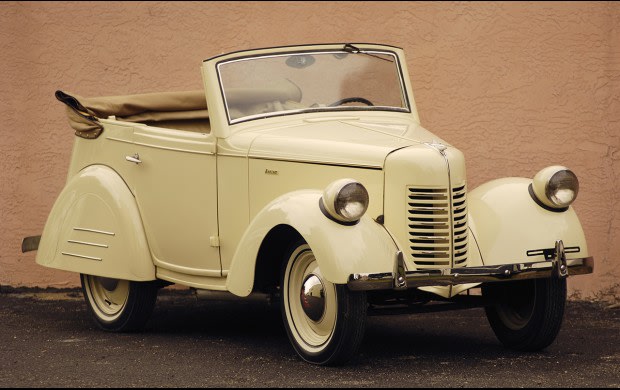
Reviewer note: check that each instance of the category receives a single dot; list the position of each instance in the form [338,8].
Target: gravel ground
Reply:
[47,339]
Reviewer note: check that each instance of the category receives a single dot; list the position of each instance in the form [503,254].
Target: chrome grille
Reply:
[459,223]
[436,233]
[429,227]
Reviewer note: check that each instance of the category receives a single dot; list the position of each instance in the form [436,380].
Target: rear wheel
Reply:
[528,314]
[119,305]
[324,322]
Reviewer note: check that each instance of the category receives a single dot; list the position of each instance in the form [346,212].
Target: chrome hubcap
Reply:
[310,302]
[313,297]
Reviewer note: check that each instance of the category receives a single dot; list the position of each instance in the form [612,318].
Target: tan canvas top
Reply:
[84,113]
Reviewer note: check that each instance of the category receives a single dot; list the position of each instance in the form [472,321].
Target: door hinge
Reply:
[215,241]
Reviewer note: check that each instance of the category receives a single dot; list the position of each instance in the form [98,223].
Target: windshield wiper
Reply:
[349,48]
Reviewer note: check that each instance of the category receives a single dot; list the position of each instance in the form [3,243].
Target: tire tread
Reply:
[545,322]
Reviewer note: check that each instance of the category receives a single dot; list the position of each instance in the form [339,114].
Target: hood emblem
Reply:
[441,148]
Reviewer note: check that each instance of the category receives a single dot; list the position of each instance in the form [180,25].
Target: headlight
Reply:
[345,200]
[556,187]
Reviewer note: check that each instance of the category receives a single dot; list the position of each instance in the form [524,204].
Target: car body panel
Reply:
[507,224]
[358,141]
[95,228]
[175,192]
[338,249]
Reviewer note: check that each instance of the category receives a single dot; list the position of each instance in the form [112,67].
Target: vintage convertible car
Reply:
[309,180]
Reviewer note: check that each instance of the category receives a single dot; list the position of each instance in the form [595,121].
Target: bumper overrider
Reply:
[400,279]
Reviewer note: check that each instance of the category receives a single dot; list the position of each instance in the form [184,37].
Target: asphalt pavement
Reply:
[47,339]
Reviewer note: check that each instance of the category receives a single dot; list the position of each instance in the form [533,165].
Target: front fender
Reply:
[95,228]
[507,223]
[339,250]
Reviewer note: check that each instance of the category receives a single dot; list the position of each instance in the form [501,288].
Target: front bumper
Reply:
[400,279]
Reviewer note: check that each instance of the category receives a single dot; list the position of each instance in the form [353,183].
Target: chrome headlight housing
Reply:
[345,200]
[555,187]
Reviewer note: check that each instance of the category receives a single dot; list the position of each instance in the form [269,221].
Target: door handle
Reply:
[134,159]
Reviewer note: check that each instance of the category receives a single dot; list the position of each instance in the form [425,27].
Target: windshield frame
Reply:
[404,92]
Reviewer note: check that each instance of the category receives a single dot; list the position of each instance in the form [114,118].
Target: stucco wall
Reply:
[516,86]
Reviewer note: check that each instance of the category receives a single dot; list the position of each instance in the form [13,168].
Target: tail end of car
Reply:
[95,228]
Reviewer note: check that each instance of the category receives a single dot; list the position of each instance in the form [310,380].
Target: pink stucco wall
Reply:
[516,86]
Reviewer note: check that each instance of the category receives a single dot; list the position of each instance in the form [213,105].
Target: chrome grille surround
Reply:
[437,226]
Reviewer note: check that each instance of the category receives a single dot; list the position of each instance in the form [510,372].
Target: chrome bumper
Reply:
[400,279]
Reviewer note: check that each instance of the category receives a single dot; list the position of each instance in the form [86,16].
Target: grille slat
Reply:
[439,210]
[427,218]
[431,211]
[429,245]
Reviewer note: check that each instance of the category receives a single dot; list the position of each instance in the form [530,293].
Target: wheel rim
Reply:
[518,311]
[108,297]
[310,302]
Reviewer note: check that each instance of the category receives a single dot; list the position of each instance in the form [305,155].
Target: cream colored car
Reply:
[310,179]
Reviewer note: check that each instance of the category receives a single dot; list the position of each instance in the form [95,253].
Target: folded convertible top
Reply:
[84,113]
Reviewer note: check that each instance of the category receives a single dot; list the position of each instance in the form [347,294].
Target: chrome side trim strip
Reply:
[119,140]
[173,149]
[87,243]
[82,256]
[94,231]
[465,275]
[160,147]
[333,164]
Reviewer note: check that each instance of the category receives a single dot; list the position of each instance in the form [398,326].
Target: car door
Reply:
[174,182]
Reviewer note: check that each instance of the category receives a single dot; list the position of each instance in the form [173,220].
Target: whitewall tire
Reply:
[324,322]
[119,305]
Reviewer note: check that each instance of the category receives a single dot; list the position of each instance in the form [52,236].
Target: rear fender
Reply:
[95,228]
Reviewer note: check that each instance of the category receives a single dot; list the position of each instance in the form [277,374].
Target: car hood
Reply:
[364,143]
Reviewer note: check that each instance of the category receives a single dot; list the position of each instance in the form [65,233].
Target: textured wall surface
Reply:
[515,86]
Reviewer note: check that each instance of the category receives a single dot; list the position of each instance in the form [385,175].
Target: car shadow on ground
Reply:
[411,336]
[191,342]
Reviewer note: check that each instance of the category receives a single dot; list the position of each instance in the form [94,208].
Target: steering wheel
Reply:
[351,100]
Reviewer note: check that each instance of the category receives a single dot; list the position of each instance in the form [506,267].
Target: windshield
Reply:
[262,86]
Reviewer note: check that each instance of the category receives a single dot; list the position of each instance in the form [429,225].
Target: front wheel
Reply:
[119,305]
[324,322]
[528,314]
